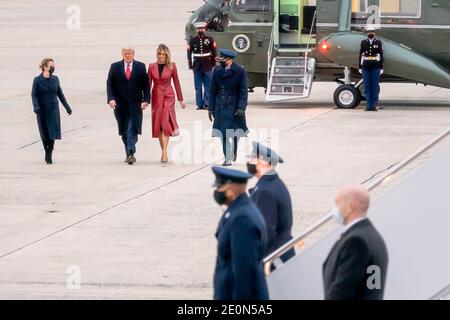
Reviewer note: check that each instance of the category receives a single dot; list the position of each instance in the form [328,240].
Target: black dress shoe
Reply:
[199,108]
[131,159]
[126,159]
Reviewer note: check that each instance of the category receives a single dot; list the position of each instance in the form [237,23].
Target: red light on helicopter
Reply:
[325,46]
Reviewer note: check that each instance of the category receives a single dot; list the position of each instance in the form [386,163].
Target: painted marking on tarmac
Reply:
[64,132]
[151,190]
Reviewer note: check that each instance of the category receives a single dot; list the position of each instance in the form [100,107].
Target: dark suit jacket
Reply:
[45,94]
[128,94]
[273,200]
[345,271]
[241,237]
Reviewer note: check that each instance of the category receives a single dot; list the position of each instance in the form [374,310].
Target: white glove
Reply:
[381,72]
[360,71]
[378,57]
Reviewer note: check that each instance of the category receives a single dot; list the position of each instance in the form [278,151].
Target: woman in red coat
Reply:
[164,122]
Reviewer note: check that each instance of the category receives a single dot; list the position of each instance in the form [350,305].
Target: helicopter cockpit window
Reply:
[209,10]
[253,5]
[400,8]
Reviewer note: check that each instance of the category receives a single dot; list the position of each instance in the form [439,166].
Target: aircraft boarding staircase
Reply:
[290,72]
[411,209]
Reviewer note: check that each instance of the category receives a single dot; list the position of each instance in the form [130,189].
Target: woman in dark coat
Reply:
[45,93]
[164,121]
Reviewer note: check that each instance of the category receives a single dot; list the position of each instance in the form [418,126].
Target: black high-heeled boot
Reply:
[47,152]
[50,151]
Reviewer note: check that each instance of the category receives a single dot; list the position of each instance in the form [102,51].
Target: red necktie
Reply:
[128,71]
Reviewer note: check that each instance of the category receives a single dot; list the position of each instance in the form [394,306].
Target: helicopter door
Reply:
[289,15]
[296,23]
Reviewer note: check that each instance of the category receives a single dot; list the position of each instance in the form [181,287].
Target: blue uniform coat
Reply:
[228,92]
[128,94]
[272,197]
[241,239]
[44,95]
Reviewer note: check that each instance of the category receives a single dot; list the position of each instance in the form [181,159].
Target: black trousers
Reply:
[229,147]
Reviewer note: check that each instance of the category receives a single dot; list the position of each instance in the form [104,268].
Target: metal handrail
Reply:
[290,244]
[312,27]
[269,55]
[306,53]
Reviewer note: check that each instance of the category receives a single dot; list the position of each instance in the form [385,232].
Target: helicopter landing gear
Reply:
[348,95]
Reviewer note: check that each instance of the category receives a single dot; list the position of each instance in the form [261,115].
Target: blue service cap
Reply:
[225,175]
[227,53]
[263,152]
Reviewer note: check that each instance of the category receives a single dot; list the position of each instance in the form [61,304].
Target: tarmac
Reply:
[91,226]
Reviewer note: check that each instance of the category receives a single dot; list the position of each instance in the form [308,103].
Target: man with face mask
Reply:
[271,197]
[359,255]
[241,237]
[371,67]
[228,102]
[201,54]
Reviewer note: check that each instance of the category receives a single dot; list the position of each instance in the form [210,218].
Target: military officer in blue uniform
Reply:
[371,67]
[241,237]
[271,196]
[228,102]
[202,54]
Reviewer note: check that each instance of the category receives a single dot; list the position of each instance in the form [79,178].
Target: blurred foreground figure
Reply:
[357,265]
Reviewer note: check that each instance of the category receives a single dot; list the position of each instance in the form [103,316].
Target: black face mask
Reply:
[201,33]
[371,36]
[52,69]
[251,168]
[220,197]
[223,64]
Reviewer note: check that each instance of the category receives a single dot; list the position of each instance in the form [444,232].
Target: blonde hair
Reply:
[164,49]
[45,62]
[128,48]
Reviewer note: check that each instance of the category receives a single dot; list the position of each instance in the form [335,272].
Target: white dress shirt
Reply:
[126,64]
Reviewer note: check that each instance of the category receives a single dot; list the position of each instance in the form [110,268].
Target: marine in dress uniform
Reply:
[228,102]
[271,196]
[371,66]
[201,54]
[241,237]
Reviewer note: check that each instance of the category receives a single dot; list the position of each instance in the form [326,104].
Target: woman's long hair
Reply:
[45,63]
[164,49]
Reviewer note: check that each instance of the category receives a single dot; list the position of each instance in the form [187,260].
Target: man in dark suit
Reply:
[356,267]
[241,237]
[128,92]
[227,104]
[271,197]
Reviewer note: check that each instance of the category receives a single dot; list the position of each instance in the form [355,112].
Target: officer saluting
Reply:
[241,237]
[271,197]
[201,55]
[371,67]
[228,101]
